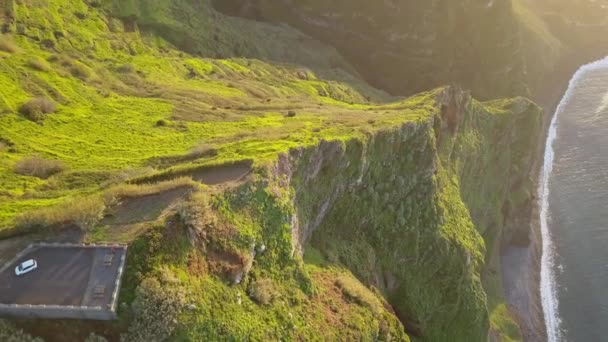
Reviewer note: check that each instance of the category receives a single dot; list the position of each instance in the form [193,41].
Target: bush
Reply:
[202,150]
[354,290]
[81,71]
[95,338]
[199,151]
[7,45]
[156,309]
[123,191]
[63,60]
[8,333]
[39,64]
[291,114]
[263,291]
[38,167]
[84,212]
[162,123]
[126,68]
[35,109]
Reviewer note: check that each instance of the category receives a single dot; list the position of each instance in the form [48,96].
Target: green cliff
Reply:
[265,190]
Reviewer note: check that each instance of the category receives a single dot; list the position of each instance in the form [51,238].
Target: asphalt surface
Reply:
[65,276]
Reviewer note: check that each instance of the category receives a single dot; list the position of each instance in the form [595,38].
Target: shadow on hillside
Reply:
[218,30]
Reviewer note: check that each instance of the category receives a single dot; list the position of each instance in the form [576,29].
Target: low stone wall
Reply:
[66,311]
[121,268]
[56,312]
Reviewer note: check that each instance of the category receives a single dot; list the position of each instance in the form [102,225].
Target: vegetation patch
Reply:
[12,334]
[355,291]
[83,212]
[262,291]
[39,167]
[127,68]
[39,64]
[7,44]
[198,152]
[504,324]
[139,190]
[155,311]
[81,71]
[36,109]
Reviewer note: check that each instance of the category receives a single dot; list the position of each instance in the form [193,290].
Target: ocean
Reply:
[573,195]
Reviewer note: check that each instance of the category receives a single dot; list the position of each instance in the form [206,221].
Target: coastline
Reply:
[521,263]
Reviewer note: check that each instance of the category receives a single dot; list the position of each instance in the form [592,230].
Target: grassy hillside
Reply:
[494,48]
[100,77]
[266,191]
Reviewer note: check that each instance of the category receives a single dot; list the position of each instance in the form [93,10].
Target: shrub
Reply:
[162,123]
[139,190]
[9,333]
[84,212]
[38,167]
[202,150]
[81,71]
[199,151]
[95,338]
[7,45]
[39,64]
[63,60]
[156,309]
[35,109]
[291,114]
[126,68]
[360,294]
[263,291]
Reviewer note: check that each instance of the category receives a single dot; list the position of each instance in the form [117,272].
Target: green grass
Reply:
[504,324]
[106,116]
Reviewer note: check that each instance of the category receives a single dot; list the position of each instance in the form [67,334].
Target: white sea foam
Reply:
[603,105]
[548,285]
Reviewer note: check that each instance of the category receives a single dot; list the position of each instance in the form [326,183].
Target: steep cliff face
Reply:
[412,211]
[406,209]
[410,46]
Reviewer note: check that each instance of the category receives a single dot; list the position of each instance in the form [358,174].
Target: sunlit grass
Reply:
[112,88]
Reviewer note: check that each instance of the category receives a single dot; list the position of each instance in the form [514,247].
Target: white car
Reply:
[26,267]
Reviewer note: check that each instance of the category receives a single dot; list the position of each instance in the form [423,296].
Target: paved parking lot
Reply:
[65,276]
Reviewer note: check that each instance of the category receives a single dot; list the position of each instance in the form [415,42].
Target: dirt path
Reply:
[143,209]
[222,174]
